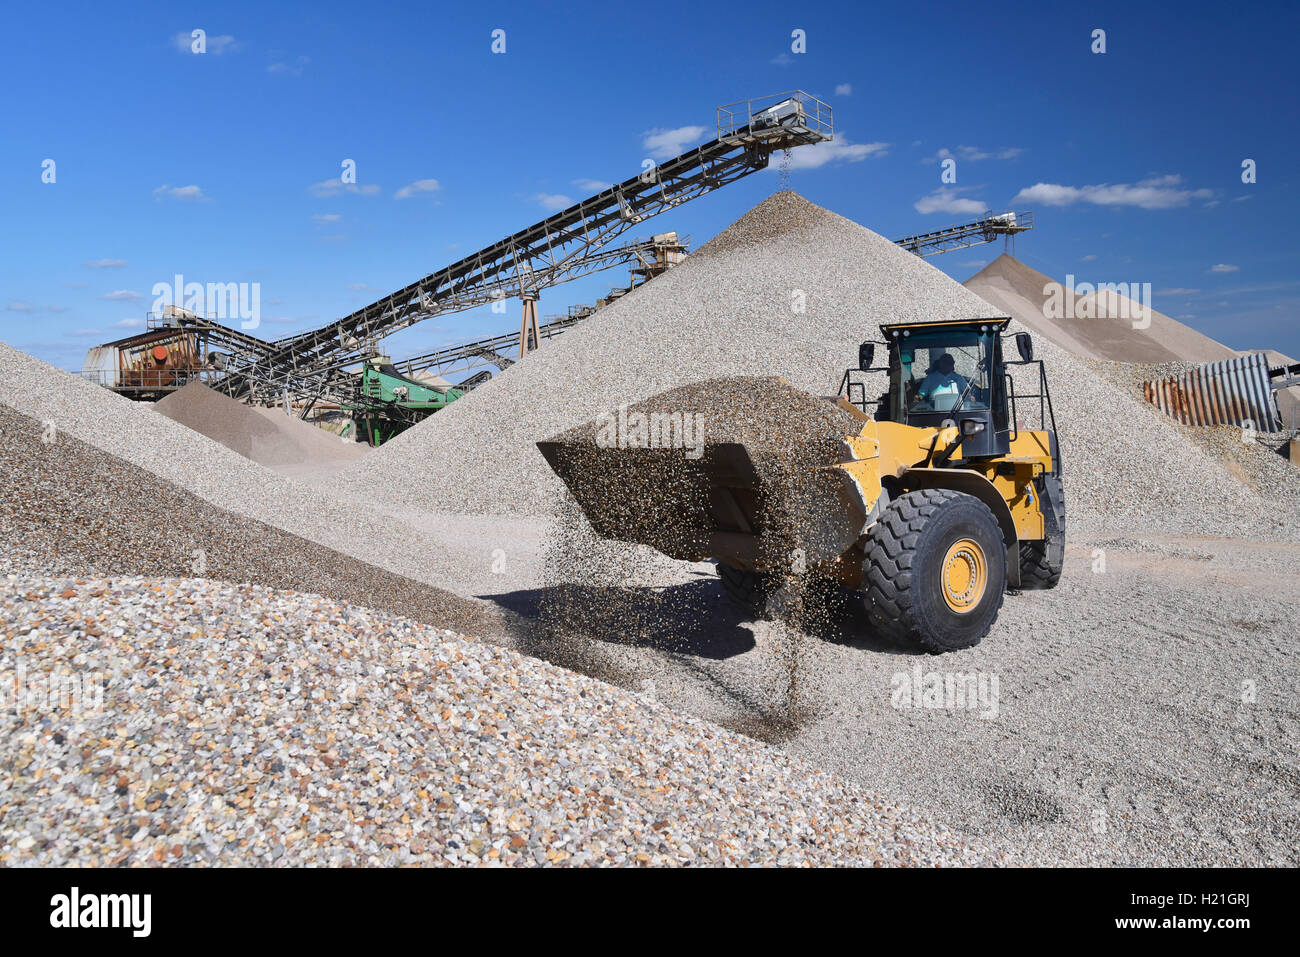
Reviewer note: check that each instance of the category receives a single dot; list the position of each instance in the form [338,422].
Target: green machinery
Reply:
[389,402]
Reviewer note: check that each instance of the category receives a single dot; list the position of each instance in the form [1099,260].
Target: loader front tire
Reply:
[935,570]
[749,590]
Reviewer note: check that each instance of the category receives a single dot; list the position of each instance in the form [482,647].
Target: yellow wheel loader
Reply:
[934,503]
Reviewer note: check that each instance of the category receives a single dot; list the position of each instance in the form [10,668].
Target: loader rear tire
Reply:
[935,570]
[1041,561]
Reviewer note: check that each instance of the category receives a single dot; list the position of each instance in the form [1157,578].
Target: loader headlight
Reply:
[972,427]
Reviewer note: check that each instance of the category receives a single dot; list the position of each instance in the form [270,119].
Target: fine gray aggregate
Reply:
[1145,712]
[67,405]
[67,508]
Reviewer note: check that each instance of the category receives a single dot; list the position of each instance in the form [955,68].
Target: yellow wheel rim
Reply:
[964,575]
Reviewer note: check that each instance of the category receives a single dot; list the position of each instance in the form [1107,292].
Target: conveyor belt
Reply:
[570,243]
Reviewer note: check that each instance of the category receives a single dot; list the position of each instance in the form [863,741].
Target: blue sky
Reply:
[218,166]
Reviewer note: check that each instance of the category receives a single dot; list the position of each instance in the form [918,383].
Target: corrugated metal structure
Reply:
[1231,392]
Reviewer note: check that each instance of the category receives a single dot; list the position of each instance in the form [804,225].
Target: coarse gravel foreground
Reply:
[182,721]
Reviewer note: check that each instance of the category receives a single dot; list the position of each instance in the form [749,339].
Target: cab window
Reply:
[937,372]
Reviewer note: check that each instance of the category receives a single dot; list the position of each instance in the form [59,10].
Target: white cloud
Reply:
[336,187]
[1160,192]
[665,144]
[289,69]
[122,295]
[1177,291]
[838,150]
[591,185]
[105,263]
[321,219]
[1224,268]
[186,193]
[20,306]
[974,154]
[553,201]
[843,89]
[947,199]
[419,186]
[217,45]
[129,324]
[781,59]
[1090,257]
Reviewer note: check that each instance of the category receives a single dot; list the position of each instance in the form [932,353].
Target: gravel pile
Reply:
[196,723]
[267,436]
[67,508]
[1140,714]
[790,290]
[67,405]
[1099,326]
[1256,459]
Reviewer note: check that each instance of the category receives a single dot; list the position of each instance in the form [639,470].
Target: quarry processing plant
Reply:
[315,366]
[320,367]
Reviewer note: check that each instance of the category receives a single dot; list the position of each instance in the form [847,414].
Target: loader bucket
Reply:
[751,510]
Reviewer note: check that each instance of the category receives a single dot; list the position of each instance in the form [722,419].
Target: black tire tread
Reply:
[746,588]
[887,569]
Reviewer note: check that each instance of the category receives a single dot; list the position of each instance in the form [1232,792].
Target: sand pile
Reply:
[789,290]
[268,436]
[1022,292]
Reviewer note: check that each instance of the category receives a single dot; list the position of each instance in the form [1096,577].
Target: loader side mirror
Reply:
[1025,346]
[866,352]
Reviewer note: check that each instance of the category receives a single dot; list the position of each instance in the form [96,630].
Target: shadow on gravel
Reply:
[695,618]
[841,619]
[688,619]
[693,624]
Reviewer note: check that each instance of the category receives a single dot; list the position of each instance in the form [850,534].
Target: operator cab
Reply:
[950,373]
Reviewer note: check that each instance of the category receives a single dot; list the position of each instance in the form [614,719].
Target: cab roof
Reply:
[999,322]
